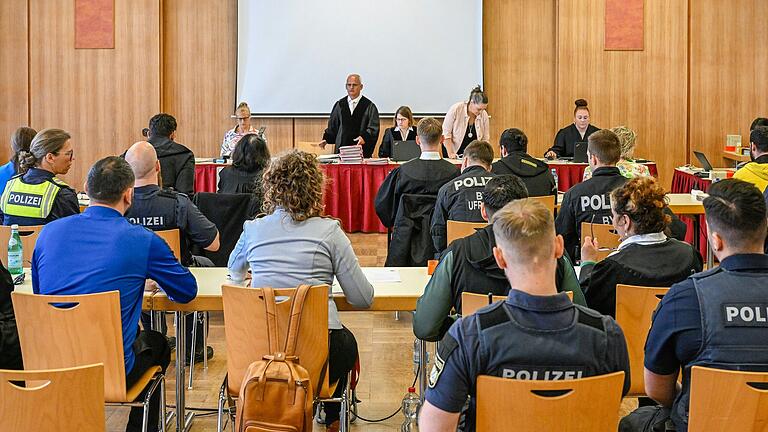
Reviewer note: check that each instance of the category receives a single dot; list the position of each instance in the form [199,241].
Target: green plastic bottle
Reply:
[15,252]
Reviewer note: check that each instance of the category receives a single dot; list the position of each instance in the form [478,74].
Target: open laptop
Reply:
[580,152]
[703,161]
[405,150]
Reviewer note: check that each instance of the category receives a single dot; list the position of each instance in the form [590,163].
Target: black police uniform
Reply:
[525,337]
[535,174]
[459,200]
[64,203]
[163,209]
[588,201]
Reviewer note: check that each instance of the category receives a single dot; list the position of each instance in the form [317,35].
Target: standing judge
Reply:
[404,130]
[354,120]
[578,131]
[465,122]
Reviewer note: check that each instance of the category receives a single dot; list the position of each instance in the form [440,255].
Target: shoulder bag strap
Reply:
[269,304]
[295,320]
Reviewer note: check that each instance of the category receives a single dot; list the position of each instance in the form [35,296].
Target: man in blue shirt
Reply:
[537,333]
[99,251]
[716,318]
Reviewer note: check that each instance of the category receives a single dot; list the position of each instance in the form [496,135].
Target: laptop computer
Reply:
[580,152]
[703,161]
[405,150]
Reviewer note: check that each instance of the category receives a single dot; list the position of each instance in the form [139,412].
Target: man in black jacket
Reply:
[589,201]
[177,163]
[461,198]
[10,350]
[515,160]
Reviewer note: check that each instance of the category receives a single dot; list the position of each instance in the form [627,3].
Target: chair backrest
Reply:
[312,147]
[228,212]
[246,333]
[540,405]
[728,400]
[547,200]
[53,400]
[457,229]
[606,236]
[471,302]
[171,237]
[88,332]
[28,236]
[634,309]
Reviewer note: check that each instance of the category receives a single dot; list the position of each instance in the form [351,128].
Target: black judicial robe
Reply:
[344,127]
[567,137]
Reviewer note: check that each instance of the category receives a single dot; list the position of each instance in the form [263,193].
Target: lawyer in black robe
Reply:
[567,137]
[345,126]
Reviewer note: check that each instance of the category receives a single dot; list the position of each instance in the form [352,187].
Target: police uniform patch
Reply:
[447,345]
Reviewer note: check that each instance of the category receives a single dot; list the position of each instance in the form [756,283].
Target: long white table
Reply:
[388,296]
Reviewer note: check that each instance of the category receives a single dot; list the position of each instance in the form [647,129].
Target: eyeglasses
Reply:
[242,118]
[70,154]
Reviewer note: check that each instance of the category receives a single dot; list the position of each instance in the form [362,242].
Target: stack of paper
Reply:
[377,161]
[351,154]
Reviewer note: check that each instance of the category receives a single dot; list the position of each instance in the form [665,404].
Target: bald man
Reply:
[163,209]
[354,120]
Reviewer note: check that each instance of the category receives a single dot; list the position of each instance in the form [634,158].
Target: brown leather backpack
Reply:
[276,394]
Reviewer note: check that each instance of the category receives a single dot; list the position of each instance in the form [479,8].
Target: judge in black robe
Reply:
[357,126]
[567,137]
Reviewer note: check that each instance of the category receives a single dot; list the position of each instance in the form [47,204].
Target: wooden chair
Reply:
[312,147]
[634,309]
[88,332]
[173,238]
[248,341]
[547,200]
[724,400]
[457,229]
[606,236]
[540,405]
[28,236]
[471,302]
[53,400]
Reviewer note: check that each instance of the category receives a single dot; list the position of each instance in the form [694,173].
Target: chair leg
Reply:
[345,405]
[163,419]
[159,381]
[220,413]
[205,340]
[192,350]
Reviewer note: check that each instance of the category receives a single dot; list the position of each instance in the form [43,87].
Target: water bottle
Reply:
[15,253]
[557,182]
[411,405]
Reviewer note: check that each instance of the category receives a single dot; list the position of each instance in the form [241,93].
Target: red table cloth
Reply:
[684,182]
[569,174]
[351,189]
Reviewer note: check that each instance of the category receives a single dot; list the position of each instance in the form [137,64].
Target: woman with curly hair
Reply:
[294,244]
[626,165]
[645,256]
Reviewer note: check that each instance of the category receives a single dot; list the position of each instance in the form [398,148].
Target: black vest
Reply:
[158,210]
[351,122]
[734,321]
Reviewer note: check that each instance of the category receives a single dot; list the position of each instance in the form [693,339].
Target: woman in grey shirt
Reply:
[293,244]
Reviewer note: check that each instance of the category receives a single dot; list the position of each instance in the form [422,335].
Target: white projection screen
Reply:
[293,56]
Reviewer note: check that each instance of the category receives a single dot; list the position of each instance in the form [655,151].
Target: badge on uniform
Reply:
[447,345]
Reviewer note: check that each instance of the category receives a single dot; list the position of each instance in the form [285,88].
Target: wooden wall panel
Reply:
[102,97]
[644,90]
[728,72]
[14,69]
[199,70]
[519,60]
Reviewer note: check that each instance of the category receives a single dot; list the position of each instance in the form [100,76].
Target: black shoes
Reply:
[199,355]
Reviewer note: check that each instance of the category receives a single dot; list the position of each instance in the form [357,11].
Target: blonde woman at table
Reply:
[627,167]
[294,244]
[233,136]
[465,122]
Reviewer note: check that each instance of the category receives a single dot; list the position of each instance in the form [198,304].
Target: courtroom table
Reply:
[683,182]
[351,188]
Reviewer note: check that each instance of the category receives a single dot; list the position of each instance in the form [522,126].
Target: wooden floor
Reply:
[386,350]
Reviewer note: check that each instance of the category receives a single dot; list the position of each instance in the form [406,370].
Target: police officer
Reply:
[162,209]
[589,201]
[468,266]
[531,335]
[37,196]
[460,198]
[717,318]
